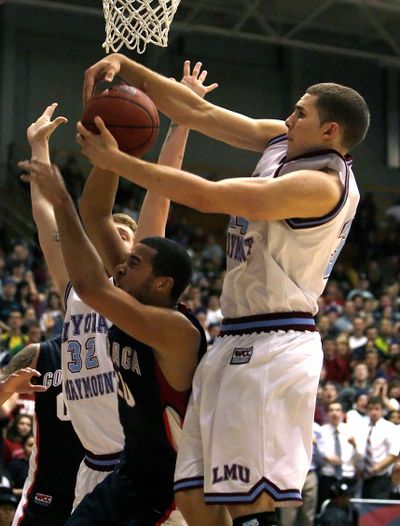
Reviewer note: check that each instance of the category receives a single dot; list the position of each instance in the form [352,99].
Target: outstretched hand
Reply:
[43,127]
[106,69]
[97,148]
[20,382]
[47,177]
[195,79]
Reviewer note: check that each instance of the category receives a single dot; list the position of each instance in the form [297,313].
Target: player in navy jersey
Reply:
[288,224]
[48,491]
[155,351]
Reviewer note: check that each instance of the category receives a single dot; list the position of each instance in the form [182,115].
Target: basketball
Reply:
[129,114]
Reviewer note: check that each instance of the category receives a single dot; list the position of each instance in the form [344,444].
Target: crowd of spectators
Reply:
[358,319]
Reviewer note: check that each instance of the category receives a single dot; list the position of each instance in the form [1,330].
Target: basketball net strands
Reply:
[136,23]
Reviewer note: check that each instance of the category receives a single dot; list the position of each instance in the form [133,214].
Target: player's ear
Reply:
[164,284]
[330,130]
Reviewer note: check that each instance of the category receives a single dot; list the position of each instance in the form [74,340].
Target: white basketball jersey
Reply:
[89,380]
[283,266]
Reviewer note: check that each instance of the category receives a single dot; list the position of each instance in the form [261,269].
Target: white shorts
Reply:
[87,479]
[248,427]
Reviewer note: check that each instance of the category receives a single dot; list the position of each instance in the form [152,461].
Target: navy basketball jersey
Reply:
[57,453]
[151,413]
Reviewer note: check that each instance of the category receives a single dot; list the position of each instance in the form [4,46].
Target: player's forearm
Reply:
[46,224]
[98,196]
[155,208]
[185,107]
[96,206]
[173,99]
[179,186]
[83,264]
[40,150]
[223,197]
[173,148]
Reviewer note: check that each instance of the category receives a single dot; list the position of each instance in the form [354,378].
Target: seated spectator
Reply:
[394,417]
[214,330]
[328,394]
[379,389]
[393,368]
[333,296]
[336,367]
[213,251]
[213,313]
[29,317]
[362,289]
[18,467]
[34,333]
[372,361]
[14,339]
[385,336]
[358,415]
[325,327]
[337,510]
[20,253]
[17,272]
[27,292]
[360,380]
[9,302]
[394,393]
[357,337]
[51,320]
[344,323]
[20,427]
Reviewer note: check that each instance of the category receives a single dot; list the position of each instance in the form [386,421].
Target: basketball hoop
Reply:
[137,23]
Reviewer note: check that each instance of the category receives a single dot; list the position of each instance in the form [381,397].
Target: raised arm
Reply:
[98,196]
[185,107]
[304,193]
[155,208]
[43,214]
[175,341]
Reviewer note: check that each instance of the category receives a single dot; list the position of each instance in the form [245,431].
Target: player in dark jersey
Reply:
[155,350]
[48,492]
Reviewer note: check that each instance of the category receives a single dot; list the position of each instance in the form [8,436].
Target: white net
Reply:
[136,23]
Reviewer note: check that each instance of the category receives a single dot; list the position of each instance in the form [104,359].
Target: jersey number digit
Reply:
[75,348]
[124,391]
[62,409]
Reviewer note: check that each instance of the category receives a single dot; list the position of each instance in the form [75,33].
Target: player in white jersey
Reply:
[247,437]
[89,384]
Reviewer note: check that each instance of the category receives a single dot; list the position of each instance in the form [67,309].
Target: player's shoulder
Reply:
[183,309]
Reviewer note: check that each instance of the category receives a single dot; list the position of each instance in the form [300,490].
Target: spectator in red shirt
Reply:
[13,447]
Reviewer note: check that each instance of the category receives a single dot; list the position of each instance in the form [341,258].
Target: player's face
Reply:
[305,131]
[126,234]
[136,275]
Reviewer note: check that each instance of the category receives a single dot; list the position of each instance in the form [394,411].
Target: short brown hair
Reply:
[125,219]
[344,105]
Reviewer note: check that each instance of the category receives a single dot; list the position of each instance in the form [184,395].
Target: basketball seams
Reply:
[129,101]
[130,116]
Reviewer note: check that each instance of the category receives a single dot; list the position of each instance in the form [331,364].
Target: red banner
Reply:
[378,514]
